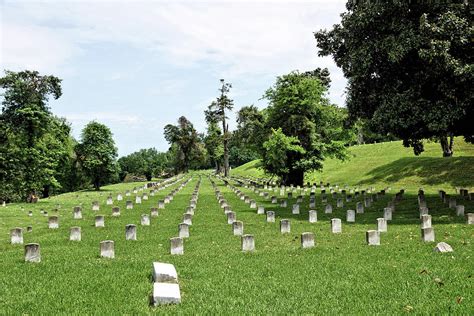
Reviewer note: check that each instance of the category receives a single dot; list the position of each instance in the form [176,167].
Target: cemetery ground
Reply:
[341,274]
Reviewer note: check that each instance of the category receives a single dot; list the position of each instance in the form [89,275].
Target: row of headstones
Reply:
[449,200]
[107,247]
[177,243]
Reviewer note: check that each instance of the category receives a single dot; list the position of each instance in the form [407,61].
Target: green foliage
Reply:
[97,154]
[184,140]
[214,144]
[299,107]
[409,67]
[145,162]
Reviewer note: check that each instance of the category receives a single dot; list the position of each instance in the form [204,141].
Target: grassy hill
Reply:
[391,164]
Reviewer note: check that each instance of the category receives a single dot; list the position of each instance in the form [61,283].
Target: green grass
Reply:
[391,164]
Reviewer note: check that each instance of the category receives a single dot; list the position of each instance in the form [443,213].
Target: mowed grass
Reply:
[391,164]
[341,275]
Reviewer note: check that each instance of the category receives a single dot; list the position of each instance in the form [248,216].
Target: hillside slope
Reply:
[391,164]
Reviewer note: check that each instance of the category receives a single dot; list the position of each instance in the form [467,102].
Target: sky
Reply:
[139,65]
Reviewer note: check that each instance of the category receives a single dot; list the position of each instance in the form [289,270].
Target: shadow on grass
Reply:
[456,171]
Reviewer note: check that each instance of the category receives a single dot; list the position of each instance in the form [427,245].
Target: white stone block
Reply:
[166,293]
[164,272]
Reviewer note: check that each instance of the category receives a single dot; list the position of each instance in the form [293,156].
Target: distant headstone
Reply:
[129,205]
[119,197]
[307,240]
[427,234]
[53,222]
[183,230]
[107,249]
[350,216]
[425,221]
[110,201]
[372,237]
[270,217]
[164,272]
[295,209]
[336,226]
[274,199]
[77,212]
[340,203]
[460,210]
[75,234]
[359,208]
[313,216]
[115,211]
[138,200]
[130,232]
[99,221]
[161,204]
[238,228]
[32,253]
[285,227]
[29,229]
[248,243]
[154,212]
[253,204]
[145,220]
[260,210]
[283,203]
[188,219]
[443,247]
[16,236]
[387,213]
[328,209]
[470,218]
[95,206]
[382,225]
[231,217]
[177,246]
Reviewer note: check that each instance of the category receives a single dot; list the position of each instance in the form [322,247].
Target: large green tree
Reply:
[183,139]
[34,144]
[409,66]
[145,162]
[97,154]
[213,144]
[300,111]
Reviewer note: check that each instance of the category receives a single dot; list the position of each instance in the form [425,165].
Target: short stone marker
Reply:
[359,208]
[328,209]
[164,272]
[248,243]
[99,221]
[161,204]
[166,293]
[313,216]
[154,212]
[53,222]
[129,205]
[95,206]
[340,203]
[145,220]
[16,236]
[387,213]
[270,217]
[336,226]
[119,197]
[350,216]
[283,203]
[382,225]
[107,249]
[77,212]
[253,204]
[424,211]
[307,240]
[274,199]
[138,200]
[110,201]
[285,226]
[32,253]
[130,232]
[425,221]
[295,209]
[75,234]
[260,210]
[238,228]
[427,234]
[29,229]
[470,218]
[115,211]
[188,219]
[372,237]
[183,230]
[460,210]
[177,246]
[231,217]
[443,247]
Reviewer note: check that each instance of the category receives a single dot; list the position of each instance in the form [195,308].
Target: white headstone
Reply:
[238,228]
[285,226]
[295,209]
[145,220]
[460,210]
[166,293]
[32,253]
[183,230]
[336,226]
[115,211]
[99,221]
[372,237]
[260,210]
[231,217]
[16,236]
[387,213]
[130,232]
[248,243]
[177,246]
[53,222]
[427,234]
[313,216]
[307,240]
[351,216]
[470,218]
[382,225]
[270,217]
[164,272]
[75,234]
[77,212]
[328,209]
[107,249]
[425,221]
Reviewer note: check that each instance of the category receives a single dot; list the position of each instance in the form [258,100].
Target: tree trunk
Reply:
[45,191]
[226,149]
[295,177]
[97,184]
[447,146]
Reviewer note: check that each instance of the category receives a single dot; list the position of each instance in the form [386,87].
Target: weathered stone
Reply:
[359,208]
[75,234]
[30,213]
[270,217]
[253,204]
[138,200]
[387,213]
[95,206]
[130,232]
[77,212]
[115,211]
[372,237]
[283,203]
[443,247]
[340,203]
[154,212]
[382,225]
[29,229]
[166,293]
[274,199]
[129,205]
[119,197]
[260,210]
[161,204]
[452,203]
[285,226]
[231,217]
[99,221]
[460,210]
[32,252]
[313,216]
[145,220]
[248,243]
[427,234]
[164,272]
[53,222]
[423,211]
[16,236]
[336,226]
[425,221]
[238,228]
[110,201]
[328,209]
[470,218]
[188,219]
[350,216]
[107,249]
[307,240]
[145,197]
[183,230]
[177,246]
[295,209]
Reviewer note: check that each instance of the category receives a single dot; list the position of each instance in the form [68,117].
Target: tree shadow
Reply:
[456,171]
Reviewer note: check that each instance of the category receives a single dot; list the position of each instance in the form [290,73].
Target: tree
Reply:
[217,113]
[214,145]
[299,107]
[97,154]
[145,162]
[28,162]
[183,138]
[409,68]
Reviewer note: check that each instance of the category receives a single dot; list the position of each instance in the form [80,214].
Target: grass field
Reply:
[341,275]
[391,164]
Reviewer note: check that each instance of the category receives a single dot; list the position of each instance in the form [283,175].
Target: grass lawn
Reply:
[341,275]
